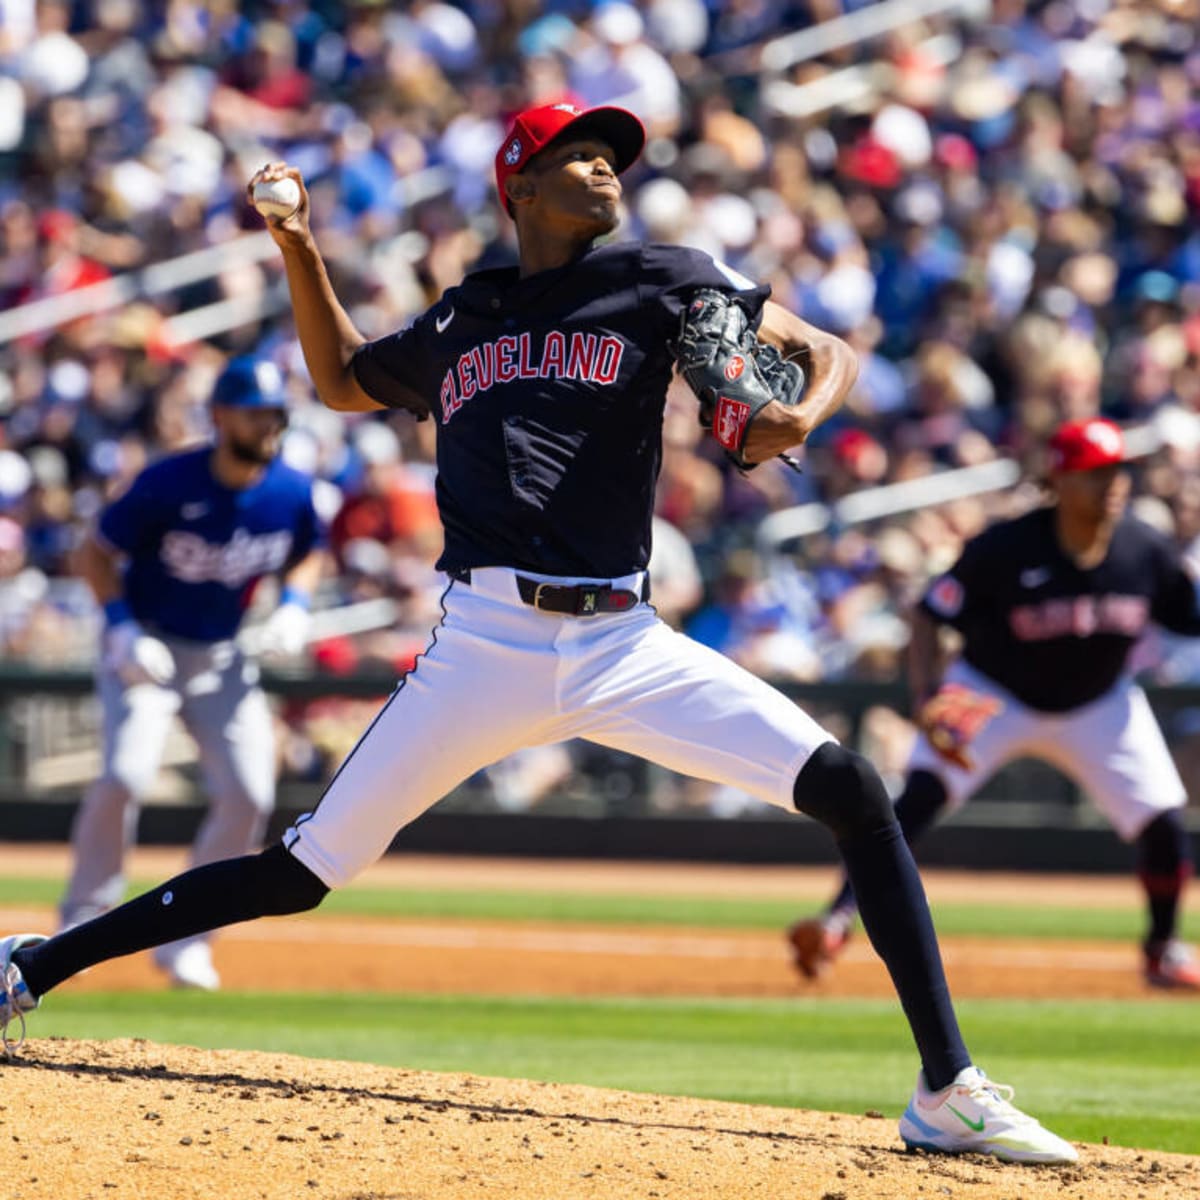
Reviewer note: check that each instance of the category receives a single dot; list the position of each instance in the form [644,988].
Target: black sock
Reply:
[895,915]
[919,806]
[238,889]
[1164,864]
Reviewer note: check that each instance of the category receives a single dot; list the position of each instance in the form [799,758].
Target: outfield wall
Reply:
[1028,818]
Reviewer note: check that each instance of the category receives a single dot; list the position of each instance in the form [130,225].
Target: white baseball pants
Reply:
[1112,748]
[501,675]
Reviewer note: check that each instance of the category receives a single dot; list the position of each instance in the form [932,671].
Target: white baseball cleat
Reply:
[973,1116]
[80,914]
[15,997]
[189,966]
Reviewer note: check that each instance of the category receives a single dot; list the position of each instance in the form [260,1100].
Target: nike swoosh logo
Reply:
[189,512]
[440,323]
[975,1125]
[1035,577]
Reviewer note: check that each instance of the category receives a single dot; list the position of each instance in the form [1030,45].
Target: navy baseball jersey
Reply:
[197,549]
[1056,635]
[549,393]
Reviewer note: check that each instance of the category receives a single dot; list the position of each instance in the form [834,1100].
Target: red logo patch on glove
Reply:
[734,367]
[729,421]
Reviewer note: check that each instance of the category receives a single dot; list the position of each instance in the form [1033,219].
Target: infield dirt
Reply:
[132,1119]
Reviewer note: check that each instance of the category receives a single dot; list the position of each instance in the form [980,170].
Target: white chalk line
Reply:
[630,943]
[645,944]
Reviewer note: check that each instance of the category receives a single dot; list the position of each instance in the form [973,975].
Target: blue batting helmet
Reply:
[250,383]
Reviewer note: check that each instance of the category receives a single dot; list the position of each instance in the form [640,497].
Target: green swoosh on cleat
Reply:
[975,1125]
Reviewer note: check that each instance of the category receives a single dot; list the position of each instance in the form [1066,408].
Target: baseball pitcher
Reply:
[548,382]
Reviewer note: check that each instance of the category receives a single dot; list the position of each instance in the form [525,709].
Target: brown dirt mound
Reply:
[128,1119]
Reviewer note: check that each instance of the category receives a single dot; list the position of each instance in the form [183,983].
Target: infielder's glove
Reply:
[734,375]
[137,657]
[952,718]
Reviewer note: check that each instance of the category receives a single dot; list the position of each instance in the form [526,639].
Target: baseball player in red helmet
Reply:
[1049,607]
[548,383]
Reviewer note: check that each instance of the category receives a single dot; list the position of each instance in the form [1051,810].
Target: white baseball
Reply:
[277,197]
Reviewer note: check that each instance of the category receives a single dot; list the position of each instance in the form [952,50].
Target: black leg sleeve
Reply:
[1164,863]
[918,807]
[844,792]
[222,893]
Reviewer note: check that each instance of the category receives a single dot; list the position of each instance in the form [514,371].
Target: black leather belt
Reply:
[576,600]
[580,599]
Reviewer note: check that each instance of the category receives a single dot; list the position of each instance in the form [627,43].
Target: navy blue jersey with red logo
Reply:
[1056,635]
[548,391]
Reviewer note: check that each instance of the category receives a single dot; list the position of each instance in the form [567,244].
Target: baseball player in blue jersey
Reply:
[548,382]
[174,561]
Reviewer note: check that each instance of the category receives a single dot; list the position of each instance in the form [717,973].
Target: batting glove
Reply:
[137,657]
[285,631]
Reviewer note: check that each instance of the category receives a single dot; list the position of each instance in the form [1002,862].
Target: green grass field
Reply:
[1125,1071]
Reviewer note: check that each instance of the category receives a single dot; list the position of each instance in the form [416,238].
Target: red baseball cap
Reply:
[535,128]
[850,445]
[1086,444]
[869,161]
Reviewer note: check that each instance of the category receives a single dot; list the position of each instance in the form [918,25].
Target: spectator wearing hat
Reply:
[856,460]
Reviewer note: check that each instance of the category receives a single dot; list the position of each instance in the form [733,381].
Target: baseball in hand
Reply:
[277,197]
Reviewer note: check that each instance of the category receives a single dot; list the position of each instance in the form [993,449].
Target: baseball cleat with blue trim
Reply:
[15,997]
[974,1116]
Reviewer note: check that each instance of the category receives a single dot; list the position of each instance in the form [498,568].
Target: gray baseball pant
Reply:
[216,694]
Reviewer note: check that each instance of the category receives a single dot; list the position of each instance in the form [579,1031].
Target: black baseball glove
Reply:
[734,375]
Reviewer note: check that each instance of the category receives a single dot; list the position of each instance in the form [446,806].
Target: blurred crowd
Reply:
[995,205]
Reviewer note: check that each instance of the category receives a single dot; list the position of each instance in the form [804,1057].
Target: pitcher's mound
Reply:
[128,1119]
